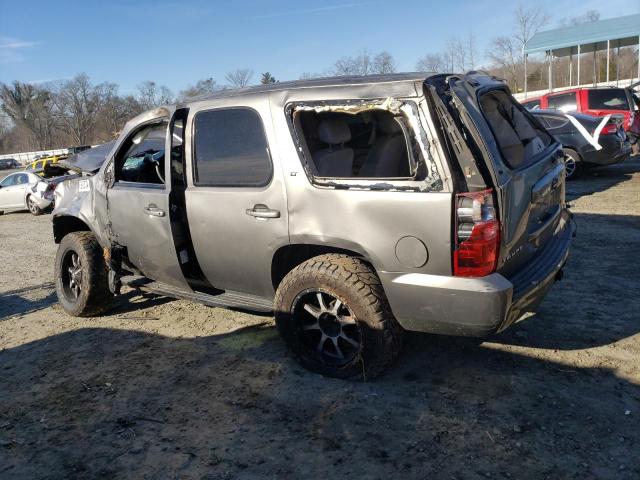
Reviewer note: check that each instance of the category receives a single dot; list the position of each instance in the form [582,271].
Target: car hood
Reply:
[88,161]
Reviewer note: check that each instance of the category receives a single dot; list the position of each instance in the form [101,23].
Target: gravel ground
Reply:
[160,388]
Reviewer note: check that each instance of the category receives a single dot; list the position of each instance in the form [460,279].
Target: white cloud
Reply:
[11,49]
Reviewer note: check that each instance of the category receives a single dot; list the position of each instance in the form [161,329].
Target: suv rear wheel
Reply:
[334,316]
[81,276]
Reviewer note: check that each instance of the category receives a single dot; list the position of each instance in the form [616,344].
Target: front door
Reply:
[138,204]
[12,190]
[235,198]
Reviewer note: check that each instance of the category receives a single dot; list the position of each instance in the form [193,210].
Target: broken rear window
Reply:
[518,138]
[366,142]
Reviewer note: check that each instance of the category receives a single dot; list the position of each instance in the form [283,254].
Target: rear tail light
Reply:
[477,241]
[48,193]
[609,129]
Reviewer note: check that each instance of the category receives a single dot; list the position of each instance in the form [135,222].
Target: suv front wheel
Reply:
[333,314]
[81,276]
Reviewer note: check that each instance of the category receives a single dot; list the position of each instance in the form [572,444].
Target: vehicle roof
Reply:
[579,89]
[340,81]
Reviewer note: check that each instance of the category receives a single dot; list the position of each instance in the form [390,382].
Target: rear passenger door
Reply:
[236,201]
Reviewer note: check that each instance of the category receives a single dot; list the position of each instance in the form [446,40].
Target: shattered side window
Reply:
[364,141]
[141,160]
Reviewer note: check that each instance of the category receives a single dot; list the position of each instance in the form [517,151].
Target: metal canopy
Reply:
[621,31]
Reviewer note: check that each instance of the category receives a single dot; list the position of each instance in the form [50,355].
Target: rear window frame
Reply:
[411,183]
[193,153]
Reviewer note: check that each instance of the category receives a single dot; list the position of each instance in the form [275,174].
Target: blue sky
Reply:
[176,43]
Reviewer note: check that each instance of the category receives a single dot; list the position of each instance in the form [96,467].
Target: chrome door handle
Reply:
[154,211]
[262,211]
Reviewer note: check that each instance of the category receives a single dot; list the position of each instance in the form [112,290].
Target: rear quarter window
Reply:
[518,137]
[608,99]
[555,122]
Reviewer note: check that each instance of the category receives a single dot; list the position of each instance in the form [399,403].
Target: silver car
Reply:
[353,208]
[25,191]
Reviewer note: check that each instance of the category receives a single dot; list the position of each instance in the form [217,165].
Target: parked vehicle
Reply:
[75,150]
[531,103]
[353,208]
[588,146]
[596,101]
[8,164]
[42,162]
[28,191]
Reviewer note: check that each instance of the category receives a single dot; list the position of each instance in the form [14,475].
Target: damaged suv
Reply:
[352,208]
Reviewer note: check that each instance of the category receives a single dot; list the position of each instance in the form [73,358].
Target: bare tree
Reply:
[383,63]
[115,112]
[431,62]
[588,17]
[471,51]
[78,104]
[528,22]
[239,78]
[360,64]
[150,95]
[202,87]
[506,56]
[460,54]
[507,53]
[449,54]
[365,64]
[30,109]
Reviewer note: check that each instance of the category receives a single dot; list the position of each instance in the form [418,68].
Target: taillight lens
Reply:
[477,235]
[48,193]
[609,129]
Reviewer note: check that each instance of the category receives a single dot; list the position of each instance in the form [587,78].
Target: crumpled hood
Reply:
[90,160]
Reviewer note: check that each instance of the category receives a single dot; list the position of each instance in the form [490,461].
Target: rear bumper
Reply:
[476,306]
[42,202]
[614,151]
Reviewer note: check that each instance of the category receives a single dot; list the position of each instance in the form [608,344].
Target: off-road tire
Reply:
[34,209]
[94,297]
[575,156]
[357,285]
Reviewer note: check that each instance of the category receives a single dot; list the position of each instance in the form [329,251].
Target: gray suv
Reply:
[352,208]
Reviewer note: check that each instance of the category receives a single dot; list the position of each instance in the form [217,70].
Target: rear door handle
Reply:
[154,211]
[262,211]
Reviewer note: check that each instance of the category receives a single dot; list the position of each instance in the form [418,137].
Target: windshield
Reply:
[608,99]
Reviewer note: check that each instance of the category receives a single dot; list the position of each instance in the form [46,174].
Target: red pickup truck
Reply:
[593,101]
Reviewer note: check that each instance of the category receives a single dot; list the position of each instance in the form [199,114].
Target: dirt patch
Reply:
[169,389]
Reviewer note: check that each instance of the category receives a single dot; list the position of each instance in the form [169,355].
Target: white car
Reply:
[26,191]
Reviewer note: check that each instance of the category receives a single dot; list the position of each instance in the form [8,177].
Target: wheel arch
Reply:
[574,150]
[287,257]
[63,225]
